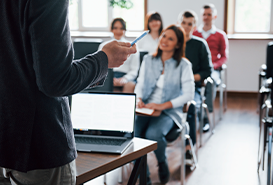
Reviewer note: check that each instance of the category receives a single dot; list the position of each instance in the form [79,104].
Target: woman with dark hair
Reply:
[127,72]
[153,23]
[165,83]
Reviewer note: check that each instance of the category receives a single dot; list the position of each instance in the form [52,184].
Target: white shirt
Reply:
[206,34]
[148,43]
[130,66]
[188,90]
[156,95]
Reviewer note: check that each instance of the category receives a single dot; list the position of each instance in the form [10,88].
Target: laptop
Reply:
[103,121]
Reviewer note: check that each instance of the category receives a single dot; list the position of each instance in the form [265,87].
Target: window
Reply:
[93,15]
[249,16]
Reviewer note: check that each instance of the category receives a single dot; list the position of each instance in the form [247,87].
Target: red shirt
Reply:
[218,45]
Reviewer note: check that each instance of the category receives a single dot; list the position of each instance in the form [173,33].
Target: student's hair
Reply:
[212,7]
[153,16]
[187,14]
[179,52]
[123,23]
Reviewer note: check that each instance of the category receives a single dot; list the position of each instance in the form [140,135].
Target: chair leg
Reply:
[201,124]
[193,153]
[104,179]
[120,174]
[221,100]
[183,164]
[225,97]
[205,107]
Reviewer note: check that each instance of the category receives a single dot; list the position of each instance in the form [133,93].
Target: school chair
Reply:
[207,83]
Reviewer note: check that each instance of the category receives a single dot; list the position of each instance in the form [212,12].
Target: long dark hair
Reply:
[153,16]
[123,23]
[179,52]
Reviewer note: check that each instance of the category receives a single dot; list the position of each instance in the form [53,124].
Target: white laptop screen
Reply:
[103,111]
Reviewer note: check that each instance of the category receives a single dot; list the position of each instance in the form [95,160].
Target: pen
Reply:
[140,37]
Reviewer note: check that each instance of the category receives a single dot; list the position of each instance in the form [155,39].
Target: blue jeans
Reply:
[154,128]
[118,74]
[62,175]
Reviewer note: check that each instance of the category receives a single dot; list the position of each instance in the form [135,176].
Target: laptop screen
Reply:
[103,111]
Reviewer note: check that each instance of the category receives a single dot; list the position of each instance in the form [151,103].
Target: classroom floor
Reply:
[228,157]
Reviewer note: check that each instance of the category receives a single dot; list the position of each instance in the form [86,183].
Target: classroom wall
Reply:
[245,56]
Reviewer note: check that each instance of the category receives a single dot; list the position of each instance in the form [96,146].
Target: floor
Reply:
[228,157]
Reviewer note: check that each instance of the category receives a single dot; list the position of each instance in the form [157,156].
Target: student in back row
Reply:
[197,51]
[126,73]
[218,45]
[165,83]
[153,23]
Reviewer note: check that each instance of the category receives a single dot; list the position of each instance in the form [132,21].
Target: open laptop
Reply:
[102,121]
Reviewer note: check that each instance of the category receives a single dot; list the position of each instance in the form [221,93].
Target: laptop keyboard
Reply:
[102,141]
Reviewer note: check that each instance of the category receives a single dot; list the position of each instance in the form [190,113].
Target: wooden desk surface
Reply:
[92,165]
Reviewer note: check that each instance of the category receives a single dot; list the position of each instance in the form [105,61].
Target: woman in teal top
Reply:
[165,83]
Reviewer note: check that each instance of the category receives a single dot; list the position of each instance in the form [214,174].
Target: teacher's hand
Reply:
[118,52]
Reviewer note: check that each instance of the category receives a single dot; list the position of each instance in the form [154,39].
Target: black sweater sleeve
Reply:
[52,51]
[206,67]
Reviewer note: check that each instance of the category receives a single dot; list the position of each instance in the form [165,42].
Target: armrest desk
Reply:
[92,165]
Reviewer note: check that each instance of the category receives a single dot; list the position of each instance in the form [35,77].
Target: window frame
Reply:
[229,20]
[81,28]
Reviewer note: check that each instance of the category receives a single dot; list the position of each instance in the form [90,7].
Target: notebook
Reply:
[103,121]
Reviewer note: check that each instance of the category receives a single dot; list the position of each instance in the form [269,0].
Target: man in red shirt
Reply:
[218,45]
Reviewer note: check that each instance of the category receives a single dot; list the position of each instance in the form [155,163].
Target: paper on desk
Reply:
[145,111]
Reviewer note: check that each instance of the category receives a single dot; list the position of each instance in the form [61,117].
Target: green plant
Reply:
[127,4]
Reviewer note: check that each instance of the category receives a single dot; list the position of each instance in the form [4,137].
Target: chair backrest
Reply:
[141,55]
[188,108]
[83,47]
[269,60]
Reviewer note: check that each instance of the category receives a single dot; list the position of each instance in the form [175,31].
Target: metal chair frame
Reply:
[265,133]
[204,108]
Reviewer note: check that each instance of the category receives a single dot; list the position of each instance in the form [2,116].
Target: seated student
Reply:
[153,23]
[218,45]
[165,83]
[197,51]
[128,71]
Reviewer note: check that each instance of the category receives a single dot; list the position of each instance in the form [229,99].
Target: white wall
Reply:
[245,56]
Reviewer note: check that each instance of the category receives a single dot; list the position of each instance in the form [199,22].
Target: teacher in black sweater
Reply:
[37,73]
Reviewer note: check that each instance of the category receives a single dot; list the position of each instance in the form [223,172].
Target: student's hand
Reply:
[154,106]
[140,103]
[120,81]
[197,77]
[162,106]
[118,52]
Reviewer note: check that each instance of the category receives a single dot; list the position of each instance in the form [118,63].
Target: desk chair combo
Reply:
[176,135]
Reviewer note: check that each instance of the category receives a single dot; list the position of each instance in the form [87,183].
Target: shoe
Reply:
[148,182]
[189,158]
[163,172]
[206,125]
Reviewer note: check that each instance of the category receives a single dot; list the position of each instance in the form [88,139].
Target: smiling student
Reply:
[165,83]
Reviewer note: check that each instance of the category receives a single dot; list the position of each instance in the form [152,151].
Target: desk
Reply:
[92,165]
